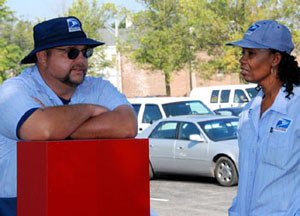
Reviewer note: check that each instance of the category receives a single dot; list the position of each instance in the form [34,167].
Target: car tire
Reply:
[151,174]
[225,172]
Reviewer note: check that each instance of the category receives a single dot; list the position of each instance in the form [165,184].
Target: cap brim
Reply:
[247,44]
[31,58]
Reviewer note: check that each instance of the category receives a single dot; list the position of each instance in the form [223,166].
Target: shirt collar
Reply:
[280,103]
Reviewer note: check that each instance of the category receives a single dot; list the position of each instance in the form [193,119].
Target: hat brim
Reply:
[247,44]
[31,57]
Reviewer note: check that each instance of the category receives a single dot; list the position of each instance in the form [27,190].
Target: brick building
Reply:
[140,82]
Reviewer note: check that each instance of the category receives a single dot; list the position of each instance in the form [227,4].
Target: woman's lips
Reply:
[244,71]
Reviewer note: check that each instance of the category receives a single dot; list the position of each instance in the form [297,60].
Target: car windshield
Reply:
[252,92]
[186,108]
[220,129]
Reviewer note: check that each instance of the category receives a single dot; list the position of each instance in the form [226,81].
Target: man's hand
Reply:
[119,123]
[98,110]
[39,102]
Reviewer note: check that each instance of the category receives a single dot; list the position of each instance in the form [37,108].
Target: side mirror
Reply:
[196,137]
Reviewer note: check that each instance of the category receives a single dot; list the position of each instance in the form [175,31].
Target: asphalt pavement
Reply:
[190,196]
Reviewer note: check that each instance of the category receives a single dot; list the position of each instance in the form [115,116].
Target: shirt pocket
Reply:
[276,150]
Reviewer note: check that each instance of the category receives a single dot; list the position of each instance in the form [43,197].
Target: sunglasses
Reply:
[73,53]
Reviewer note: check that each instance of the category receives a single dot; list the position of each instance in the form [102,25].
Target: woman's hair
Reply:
[288,72]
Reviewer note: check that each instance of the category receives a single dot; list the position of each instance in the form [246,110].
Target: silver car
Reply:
[194,145]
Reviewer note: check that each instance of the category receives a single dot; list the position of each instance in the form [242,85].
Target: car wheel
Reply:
[151,174]
[225,172]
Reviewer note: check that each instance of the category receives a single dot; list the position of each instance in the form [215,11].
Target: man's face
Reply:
[67,65]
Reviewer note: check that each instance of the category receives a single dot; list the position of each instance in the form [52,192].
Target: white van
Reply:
[150,109]
[216,97]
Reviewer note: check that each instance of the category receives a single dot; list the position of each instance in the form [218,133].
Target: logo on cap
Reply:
[252,29]
[73,25]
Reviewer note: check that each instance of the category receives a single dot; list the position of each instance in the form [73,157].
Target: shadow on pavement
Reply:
[185,178]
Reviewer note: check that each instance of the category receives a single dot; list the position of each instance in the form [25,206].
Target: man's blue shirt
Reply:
[269,158]
[17,97]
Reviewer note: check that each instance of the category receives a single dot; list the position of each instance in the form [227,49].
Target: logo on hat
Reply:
[252,29]
[73,25]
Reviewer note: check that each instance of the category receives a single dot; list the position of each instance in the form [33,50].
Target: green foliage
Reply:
[15,42]
[163,38]
[89,15]
[5,13]
[218,22]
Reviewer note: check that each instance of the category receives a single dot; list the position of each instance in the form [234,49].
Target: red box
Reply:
[84,178]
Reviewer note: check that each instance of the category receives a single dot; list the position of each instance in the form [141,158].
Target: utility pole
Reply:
[118,56]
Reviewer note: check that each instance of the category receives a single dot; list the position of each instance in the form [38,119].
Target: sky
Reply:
[33,9]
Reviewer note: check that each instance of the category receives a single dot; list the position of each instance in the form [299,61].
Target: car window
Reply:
[220,129]
[136,108]
[225,96]
[151,113]
[186,129]
[185,108]
[252,92]
[214,96]
[239,96]
[164,130]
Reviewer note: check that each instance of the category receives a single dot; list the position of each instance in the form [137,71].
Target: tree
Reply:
[163,38]
[20,42]
[14,43]
[4,15]
[217,22]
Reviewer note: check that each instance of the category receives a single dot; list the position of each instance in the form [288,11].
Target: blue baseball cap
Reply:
[267,34]
[62,31]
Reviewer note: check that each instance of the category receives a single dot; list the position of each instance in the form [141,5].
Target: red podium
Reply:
[83,178]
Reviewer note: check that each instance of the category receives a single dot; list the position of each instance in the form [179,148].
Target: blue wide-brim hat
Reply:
[62,31]
[267,34]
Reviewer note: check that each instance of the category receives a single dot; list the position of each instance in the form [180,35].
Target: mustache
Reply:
[79,67]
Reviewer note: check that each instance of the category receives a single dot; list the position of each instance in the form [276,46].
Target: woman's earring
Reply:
[272,74]
[271,70]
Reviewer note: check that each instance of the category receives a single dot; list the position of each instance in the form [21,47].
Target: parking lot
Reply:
[190,196]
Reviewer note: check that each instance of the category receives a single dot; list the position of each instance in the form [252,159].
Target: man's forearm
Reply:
[59,122]
[119,123]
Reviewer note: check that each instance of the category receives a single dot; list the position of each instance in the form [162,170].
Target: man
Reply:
[55,100]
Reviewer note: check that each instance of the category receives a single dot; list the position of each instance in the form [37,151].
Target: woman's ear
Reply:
[276,59]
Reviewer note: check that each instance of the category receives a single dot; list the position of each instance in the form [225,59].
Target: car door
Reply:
[191,157]
[162,146]
[239,98]
[151,113]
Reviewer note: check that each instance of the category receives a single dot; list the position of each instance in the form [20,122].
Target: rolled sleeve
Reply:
[15,101]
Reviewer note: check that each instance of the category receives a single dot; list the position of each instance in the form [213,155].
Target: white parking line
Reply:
[160,200]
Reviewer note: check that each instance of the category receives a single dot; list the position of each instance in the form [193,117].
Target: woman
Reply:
[269,127]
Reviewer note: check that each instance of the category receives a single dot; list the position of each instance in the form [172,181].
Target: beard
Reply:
[68,80]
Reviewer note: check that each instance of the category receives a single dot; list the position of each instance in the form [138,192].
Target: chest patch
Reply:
[283,125]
